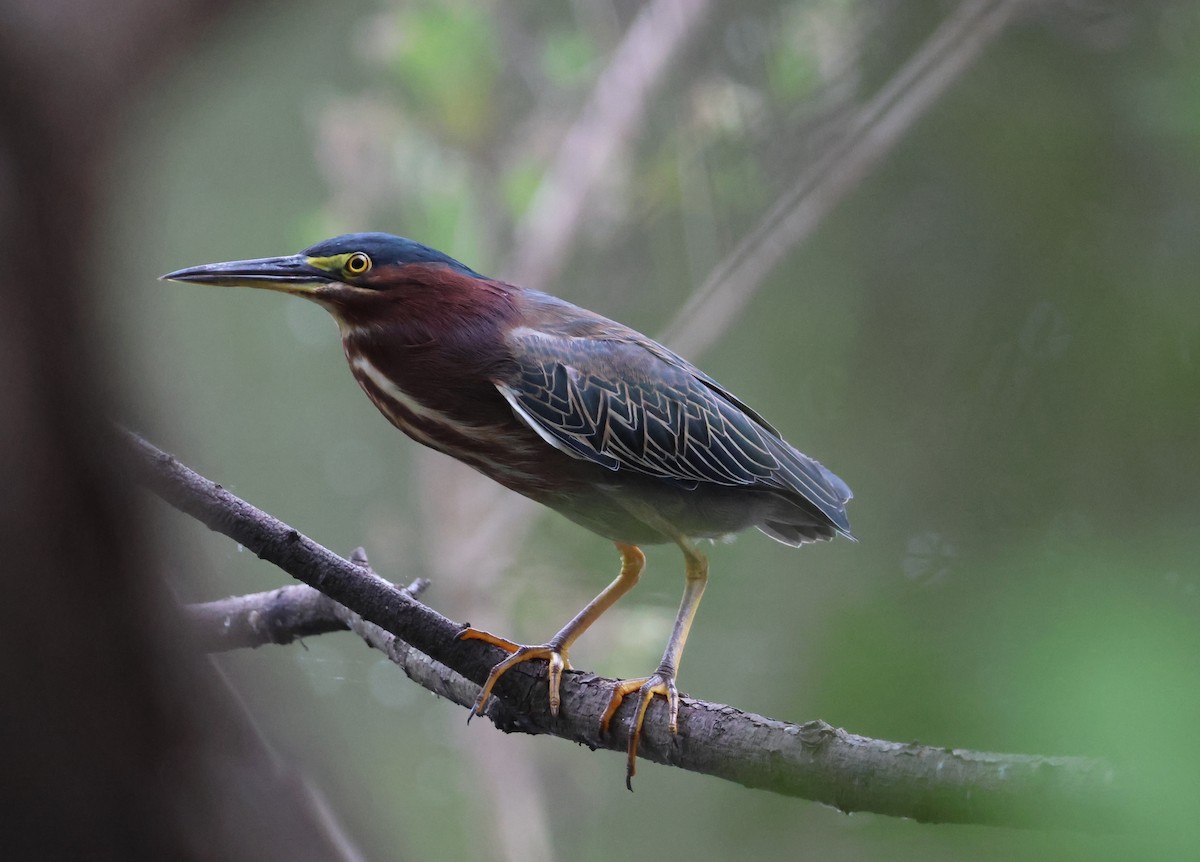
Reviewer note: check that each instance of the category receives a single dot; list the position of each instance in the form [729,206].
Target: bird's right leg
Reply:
[662,681]
[555,650]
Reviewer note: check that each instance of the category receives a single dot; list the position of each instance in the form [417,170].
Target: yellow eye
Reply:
[357,263]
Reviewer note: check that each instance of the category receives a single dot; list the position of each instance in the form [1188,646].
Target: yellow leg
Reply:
[662,681]
[555,650]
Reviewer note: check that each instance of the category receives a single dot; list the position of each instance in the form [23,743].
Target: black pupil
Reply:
[358,263]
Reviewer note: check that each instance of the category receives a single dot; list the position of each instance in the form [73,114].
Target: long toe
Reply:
[551,653]
[471,634]
[660,683]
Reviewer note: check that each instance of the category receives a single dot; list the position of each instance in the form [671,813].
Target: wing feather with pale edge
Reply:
[629,403]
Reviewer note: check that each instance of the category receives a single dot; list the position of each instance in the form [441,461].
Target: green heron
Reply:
[573,410]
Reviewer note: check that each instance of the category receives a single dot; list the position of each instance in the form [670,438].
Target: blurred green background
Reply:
[995,340]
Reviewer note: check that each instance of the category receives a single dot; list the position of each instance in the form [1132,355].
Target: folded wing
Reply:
[628,403]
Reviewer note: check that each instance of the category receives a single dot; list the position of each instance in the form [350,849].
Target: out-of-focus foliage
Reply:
[995,340]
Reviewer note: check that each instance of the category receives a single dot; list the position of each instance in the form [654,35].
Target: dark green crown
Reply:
[385,248]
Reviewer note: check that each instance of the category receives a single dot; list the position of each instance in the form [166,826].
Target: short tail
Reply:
[823,497]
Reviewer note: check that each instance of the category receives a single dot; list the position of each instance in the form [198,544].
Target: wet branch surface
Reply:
[812,760]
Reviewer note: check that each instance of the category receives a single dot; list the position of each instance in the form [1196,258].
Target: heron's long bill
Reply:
[292,274]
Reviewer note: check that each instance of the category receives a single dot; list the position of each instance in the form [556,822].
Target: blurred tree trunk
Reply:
[119,744]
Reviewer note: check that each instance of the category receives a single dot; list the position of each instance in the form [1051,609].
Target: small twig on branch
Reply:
[420,668]
[811,760]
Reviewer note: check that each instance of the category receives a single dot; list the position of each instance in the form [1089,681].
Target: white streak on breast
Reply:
[475,456]
[412,405]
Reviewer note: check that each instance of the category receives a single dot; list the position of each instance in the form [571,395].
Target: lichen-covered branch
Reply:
[812,760]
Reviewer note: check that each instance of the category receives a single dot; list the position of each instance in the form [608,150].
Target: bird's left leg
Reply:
[662,681]
[555,650]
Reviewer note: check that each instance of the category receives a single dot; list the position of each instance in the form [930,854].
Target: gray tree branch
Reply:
[274,617]
[812,760]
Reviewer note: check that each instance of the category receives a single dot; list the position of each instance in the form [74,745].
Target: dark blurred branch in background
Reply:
[868,135]
[813,760]
[119,744]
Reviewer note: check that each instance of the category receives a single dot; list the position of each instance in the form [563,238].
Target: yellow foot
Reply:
[555,655]
[661,682]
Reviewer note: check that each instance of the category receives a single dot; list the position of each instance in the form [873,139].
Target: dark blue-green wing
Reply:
[629,403]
